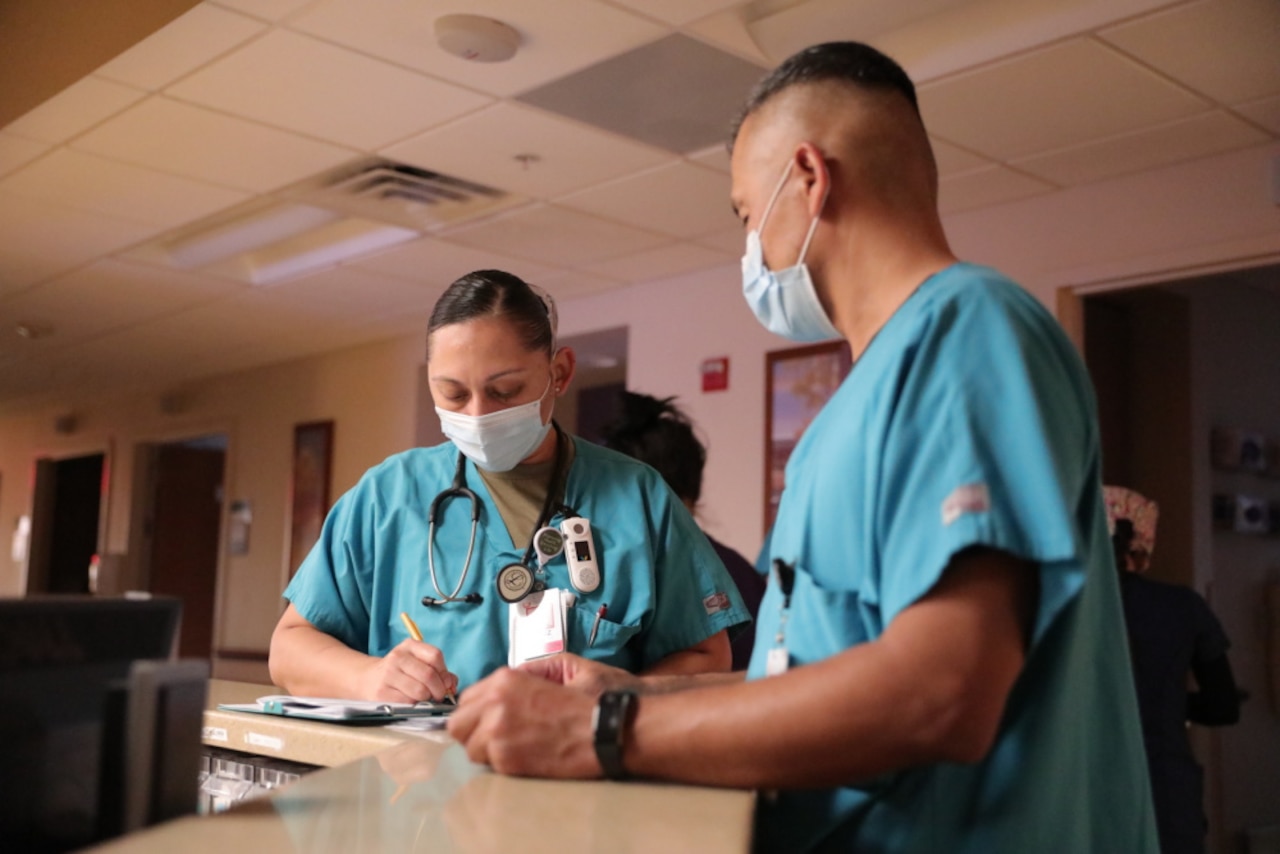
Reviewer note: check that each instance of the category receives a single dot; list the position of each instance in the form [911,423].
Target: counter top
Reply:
[422,794]
[312,742]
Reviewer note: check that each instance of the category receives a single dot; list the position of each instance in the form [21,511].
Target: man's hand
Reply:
[582,674]
[528,726]
[412,671]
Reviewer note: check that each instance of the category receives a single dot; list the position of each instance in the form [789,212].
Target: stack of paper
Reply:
[329,709]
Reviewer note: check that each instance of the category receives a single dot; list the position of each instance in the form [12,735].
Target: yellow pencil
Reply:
[412,628]
[410,625]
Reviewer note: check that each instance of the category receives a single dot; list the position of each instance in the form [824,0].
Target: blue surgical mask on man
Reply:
[784,301]
[497,441]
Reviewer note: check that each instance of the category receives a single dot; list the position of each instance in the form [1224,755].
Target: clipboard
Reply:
[337,710]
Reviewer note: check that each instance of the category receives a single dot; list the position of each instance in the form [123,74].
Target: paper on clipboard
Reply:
[338,710]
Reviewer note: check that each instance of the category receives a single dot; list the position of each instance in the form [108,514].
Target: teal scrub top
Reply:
[968,421]
[665,588]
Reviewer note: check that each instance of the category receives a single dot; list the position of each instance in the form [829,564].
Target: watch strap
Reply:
[613,715]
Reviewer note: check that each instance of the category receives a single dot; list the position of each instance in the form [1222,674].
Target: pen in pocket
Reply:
[595,625]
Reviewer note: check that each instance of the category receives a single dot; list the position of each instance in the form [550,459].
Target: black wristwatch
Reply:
[614,713]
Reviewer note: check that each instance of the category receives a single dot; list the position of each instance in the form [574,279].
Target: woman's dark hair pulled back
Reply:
[495,293]
[656,432]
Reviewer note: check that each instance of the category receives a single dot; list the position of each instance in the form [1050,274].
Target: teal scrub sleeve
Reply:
[332,588]
[695,597]
[996,454]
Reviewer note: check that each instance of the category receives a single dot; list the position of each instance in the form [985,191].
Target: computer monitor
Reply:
[99,729]
[43,631]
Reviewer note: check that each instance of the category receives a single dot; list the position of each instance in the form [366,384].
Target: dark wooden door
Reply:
[184,543]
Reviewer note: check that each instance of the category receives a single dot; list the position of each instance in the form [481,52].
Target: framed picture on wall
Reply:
[798,382]
[308,487]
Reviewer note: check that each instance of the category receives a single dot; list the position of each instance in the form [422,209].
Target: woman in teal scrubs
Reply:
[663,603]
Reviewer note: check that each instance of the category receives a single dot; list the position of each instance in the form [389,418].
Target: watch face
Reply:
[515,582]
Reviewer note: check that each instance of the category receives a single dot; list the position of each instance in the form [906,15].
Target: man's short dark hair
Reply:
[854,63]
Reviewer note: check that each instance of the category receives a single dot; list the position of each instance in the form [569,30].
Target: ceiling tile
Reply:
[78,107]
[1227,49]
[952,159]
[198,143]
[661,262]
[1067,94]
[1265,112]
[109,295]
[681,200]
[109,187]
[571,284]
[677,93]
[188,42]
[555,235]
[713,157]
[484,146]
[727,30]
[436,264]
[270,10]
[115,361]
[991,185]
[16,151]
[357,291]
[305,85]
[732,241]
[39,239]
[1198,136]
[558,37]
[679,12]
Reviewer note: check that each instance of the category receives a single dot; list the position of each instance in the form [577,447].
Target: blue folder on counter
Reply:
[338,711]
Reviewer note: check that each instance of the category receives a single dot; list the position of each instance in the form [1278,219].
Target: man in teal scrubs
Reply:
[939,664]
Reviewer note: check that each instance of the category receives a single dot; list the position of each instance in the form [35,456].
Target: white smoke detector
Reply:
[476,38]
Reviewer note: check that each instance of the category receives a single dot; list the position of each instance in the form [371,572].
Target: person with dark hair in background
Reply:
[935,665]
[511,541]
[656,432]
[1172,634]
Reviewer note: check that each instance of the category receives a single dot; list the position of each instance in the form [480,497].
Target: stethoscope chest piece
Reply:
[516,581]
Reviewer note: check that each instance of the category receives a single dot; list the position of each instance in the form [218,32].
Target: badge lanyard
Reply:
[779,659]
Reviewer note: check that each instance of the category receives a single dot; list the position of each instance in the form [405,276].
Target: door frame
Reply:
[186,432]
[106,447]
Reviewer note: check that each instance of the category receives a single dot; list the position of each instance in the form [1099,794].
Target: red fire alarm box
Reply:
[715,374]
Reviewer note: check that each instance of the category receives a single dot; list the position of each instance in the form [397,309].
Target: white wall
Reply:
[674,325]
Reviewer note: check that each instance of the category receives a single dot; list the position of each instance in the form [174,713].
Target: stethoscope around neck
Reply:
[459,489]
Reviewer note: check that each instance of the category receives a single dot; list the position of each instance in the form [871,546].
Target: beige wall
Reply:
[369,391]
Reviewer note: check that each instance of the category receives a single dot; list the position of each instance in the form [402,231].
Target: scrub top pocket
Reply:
[611,638]
[819,623]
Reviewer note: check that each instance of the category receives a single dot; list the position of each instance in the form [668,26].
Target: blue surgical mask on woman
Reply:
[497,441]
[785,301]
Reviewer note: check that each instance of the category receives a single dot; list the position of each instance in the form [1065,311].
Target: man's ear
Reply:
[812,165]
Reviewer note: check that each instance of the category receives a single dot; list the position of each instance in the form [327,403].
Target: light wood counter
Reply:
[426,796]
[312,742]
[422,794]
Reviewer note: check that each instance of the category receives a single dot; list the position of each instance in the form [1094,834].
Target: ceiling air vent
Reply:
[402,194]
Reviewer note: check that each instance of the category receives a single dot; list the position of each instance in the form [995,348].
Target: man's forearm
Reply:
[666,684]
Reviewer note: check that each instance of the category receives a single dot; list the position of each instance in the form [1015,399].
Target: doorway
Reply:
[65,523]
[177,531]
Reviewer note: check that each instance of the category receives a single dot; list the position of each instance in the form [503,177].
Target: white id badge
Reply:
[777,661]
[536,626]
